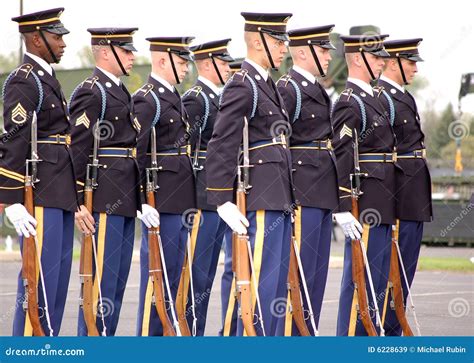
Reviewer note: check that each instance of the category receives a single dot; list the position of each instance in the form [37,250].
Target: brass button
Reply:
[271,113]
[405,121]
[300,162]
[260,161]
[116,117]
[53,105]
[171,120]
[312,115]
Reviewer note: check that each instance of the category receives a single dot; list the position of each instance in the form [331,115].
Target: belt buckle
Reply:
[394,157]
[329,144]
[132,153]
[68,140]
[423,153]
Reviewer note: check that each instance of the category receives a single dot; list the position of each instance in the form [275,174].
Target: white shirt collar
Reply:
[209,84]
[364,85]
[393,83]
[45,65]
[263,72]
[305,74]
[163,81]
[113,78]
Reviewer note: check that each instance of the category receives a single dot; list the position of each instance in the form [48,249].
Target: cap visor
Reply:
[187,57]
[226,58]
[380,53]
[59,30]
[415,58]
[283,36]
[129,47]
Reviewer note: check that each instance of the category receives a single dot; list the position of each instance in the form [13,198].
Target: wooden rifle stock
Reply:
[396,289]
[86,272]
[29,262]
[358,278]
[156,272]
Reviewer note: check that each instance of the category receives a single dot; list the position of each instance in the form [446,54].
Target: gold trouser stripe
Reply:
[39,216]
[147,309]
[194,234]
[230,309]
[289,316]
[353,317]
[258,252]
[100,256]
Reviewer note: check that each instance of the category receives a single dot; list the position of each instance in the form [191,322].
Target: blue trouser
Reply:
[55,232]
[410,234]
[174,235]
[229,305]
[114,240]
[377,240]
[313,228]
[206,241]
[269,233]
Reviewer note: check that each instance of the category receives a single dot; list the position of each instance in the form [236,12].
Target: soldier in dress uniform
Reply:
[314,164]
[102,108]
[158,104]
[202,103]
[360,113]
[252,94]
[31,89]
[413,182]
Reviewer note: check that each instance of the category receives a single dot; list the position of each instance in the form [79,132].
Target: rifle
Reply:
[242,260]
[360,263]
[396,289]
[30,249]
[296,299]
[156,262]
[89,249]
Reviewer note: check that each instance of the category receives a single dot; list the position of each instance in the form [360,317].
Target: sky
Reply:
[447,28]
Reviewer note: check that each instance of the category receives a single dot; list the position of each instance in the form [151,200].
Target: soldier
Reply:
[251,96]
[360,114]
[158,104]
[314,164]
[32,93]
[202,103]
[413,182]
[102,112]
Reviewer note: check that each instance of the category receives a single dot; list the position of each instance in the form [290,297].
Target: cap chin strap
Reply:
[124,72]
[373,78]
[174,68]
[316,59]
[401,69]
[265,45]
[217,71]
[55,60]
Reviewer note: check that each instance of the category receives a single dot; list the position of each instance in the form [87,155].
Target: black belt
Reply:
[415,154]
[117,152]
[378,158]
[314,145]
[279,140]
[183,150]
[55,139]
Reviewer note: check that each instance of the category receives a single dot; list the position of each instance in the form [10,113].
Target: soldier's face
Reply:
[277,49]
[223,68]
[410,68]
[376,64]
[181,65]
[126,58]
[324,58]
[56,44]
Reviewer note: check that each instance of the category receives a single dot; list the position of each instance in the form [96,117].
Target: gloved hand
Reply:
[350,226]
[149,216]
[23,222]
[231,215]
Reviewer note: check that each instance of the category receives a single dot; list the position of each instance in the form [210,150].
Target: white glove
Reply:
[24,223]
[231,215]
[149,216]
[350,226]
